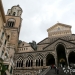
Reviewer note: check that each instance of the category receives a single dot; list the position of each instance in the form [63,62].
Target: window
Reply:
[2,35]
[20,63]
[10,24]
[8,37]
[6,55]
[14,13]
[9,13]
[5,42]
[22,44]
[58,28]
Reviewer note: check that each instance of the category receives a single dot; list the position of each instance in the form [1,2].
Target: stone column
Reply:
[34,62]
[30,63]
[56,61]
[67,59]
[40,62]
[20,63]
[44,62]
[55,56]
[24,63]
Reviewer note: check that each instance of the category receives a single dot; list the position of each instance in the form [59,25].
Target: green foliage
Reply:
[3,67]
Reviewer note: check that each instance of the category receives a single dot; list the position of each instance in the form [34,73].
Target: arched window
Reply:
[14,13]
[20,62]
[29,61]
[39,61]
[5,42]
[9,13]
[10,23]
[8,37]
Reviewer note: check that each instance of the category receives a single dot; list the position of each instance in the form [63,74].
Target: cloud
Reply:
[39,15]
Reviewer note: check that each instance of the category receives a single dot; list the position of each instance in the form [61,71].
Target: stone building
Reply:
[5,51]
[30,58]
[58,48]
[12,29]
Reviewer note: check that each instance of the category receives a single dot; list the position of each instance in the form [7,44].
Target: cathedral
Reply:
[30,58]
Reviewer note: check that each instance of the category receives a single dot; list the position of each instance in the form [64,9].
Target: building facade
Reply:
[58,48]
[6,61]
[30,58]
[12,29]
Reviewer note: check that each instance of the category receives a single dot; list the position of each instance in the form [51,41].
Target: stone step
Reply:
[49,71]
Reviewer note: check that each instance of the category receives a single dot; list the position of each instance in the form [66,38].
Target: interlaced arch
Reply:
[39,60]
[29,61]
[20,62]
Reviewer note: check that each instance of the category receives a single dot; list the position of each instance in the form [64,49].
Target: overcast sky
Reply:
[39,15]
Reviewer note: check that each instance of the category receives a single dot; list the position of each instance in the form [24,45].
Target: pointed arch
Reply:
[39,55]
[61,54]
[14,13]
[19,61]
[50,59]
[30,56]
[50,53]
[29,61]
[39,59]
[71,57]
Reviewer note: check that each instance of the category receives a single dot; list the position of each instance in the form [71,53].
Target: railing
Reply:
[44,72]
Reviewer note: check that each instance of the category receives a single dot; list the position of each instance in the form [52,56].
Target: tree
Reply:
[3,68]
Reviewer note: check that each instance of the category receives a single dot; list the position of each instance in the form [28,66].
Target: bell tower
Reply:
[13,25]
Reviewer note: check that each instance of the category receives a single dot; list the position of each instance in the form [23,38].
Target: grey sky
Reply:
[39,15]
